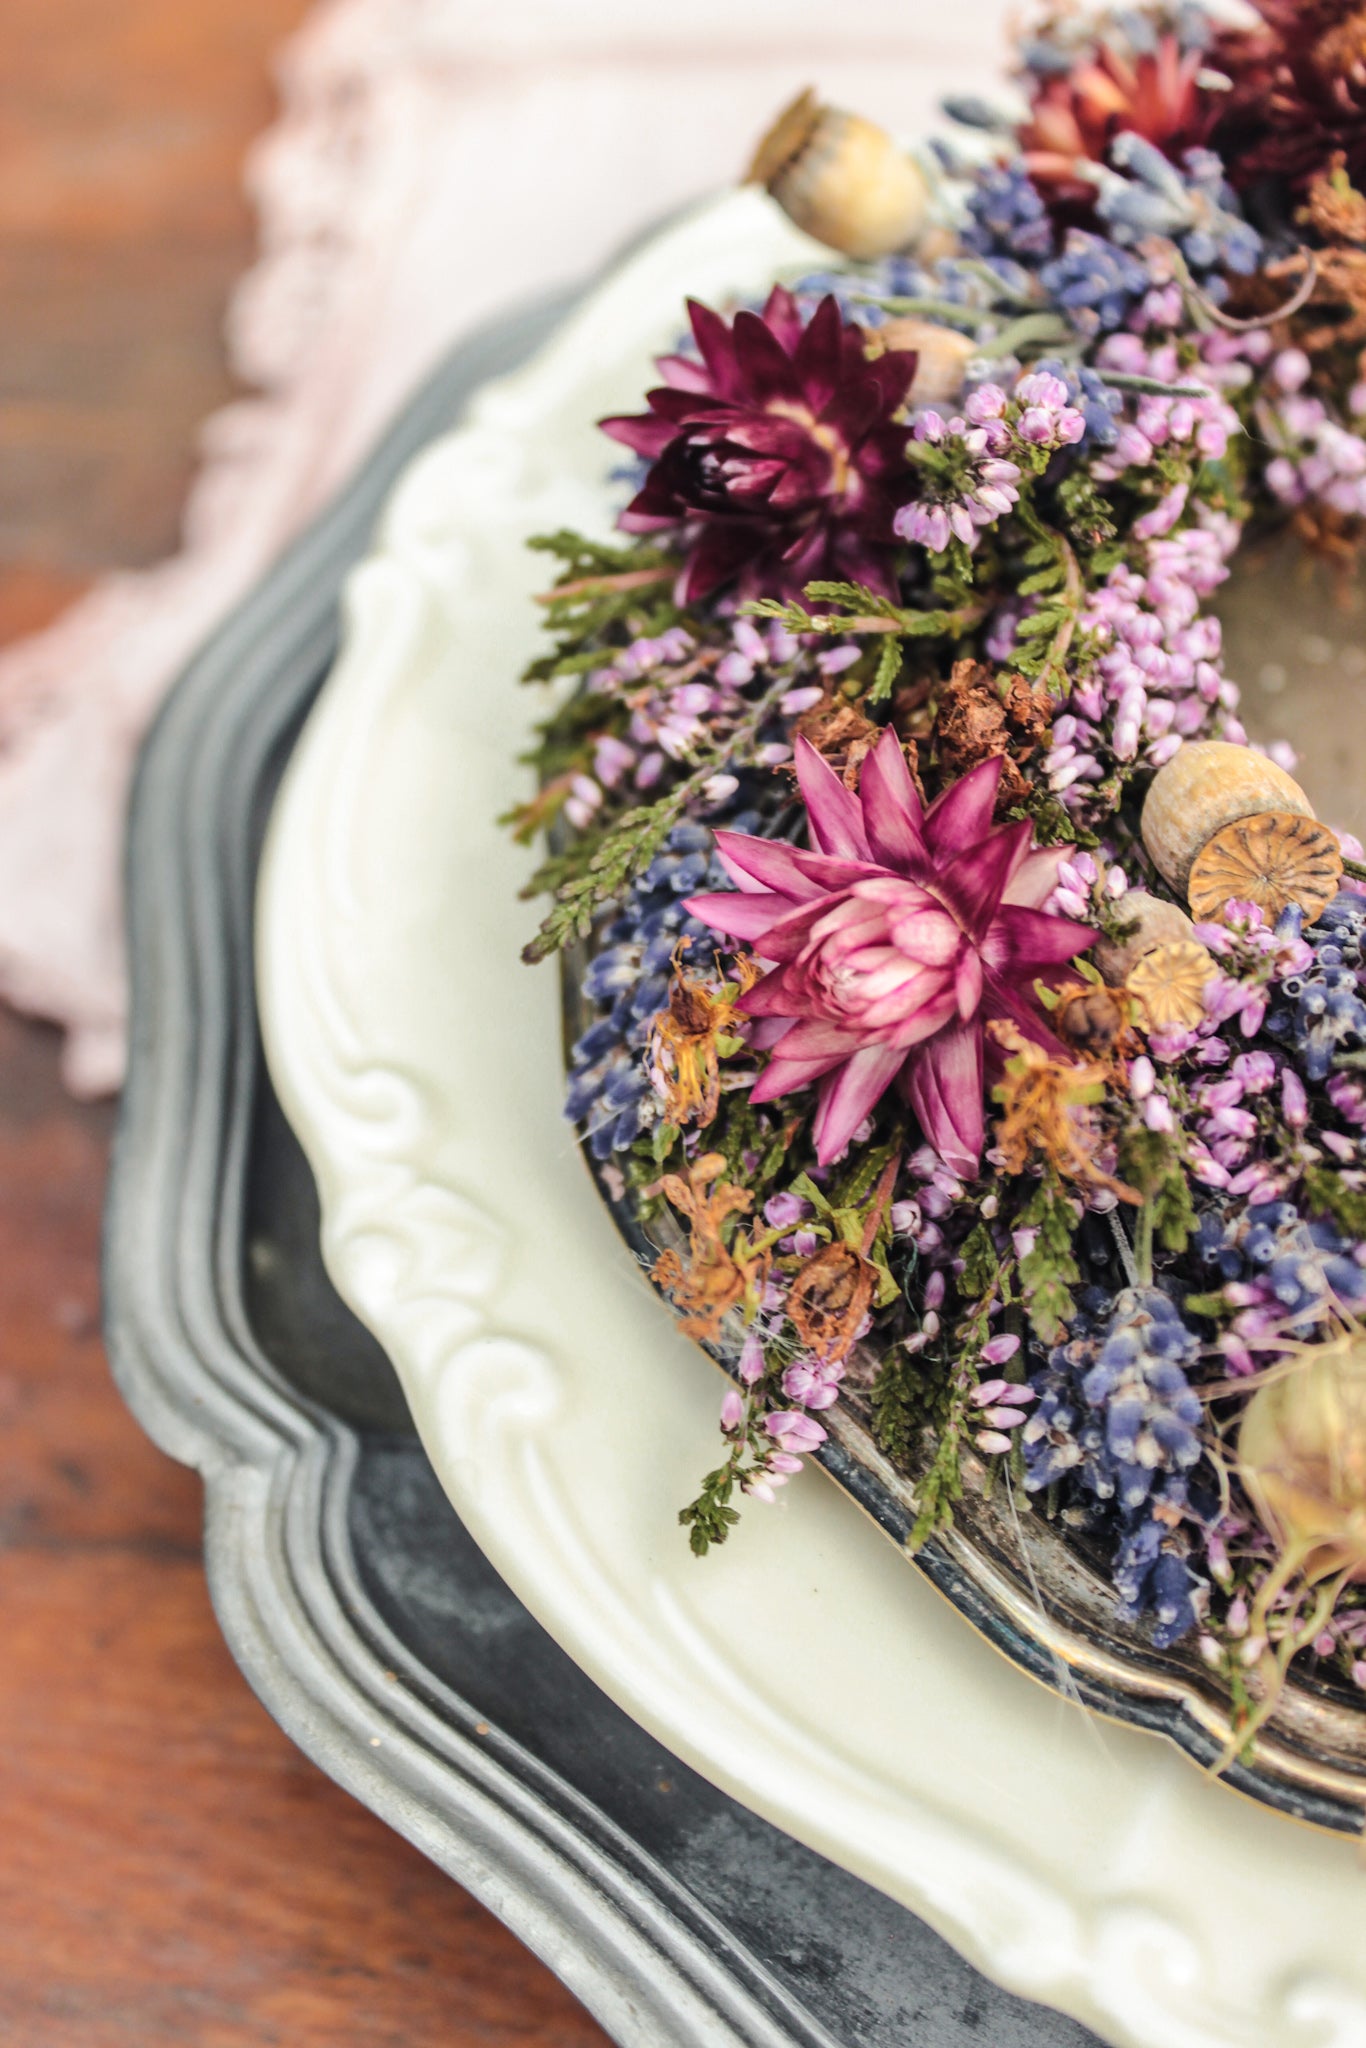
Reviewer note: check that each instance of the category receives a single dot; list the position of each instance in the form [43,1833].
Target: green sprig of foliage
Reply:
[602,588]
[1049,1271]
[1154,1162]
[710,1518]
[861,611]
[1327,1193]
[630,843]
[981,1263]
[1044,640]
[909,1396]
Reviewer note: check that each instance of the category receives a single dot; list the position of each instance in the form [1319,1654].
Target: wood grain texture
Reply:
[174,1870]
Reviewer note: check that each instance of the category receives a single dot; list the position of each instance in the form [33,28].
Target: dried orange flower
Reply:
[1170,981]
[829,1299]
[1273,860]
[712,1279]
[685,1043]
[1046,1105]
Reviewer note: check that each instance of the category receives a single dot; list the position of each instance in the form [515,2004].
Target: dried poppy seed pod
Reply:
[841,179]
[1223,823]
[1302,1458]
[942,356]
[1156,923]
[1170,983]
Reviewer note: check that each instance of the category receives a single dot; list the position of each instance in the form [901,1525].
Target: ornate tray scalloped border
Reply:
[1047,1852]
[277,1469]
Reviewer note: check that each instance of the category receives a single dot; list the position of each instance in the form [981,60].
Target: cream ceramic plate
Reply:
[806,1668]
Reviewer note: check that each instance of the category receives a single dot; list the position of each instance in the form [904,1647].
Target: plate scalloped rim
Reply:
[805,1669]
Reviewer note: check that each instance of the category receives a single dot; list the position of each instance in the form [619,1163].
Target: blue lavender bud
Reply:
[1009,218]
[1096,283]
[970,111]
[1303,1265]
[1319,1014]
[1117,1427]
[607,1092]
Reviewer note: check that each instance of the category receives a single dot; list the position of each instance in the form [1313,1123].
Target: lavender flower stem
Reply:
[1047,330]
[948,310]
[1151,387]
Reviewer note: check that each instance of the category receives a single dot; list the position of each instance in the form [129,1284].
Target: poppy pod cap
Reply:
[1223,823]
[1206,785]
[841,179]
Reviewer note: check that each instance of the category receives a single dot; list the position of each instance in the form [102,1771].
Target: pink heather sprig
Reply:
[1318,460]
[1157,678]
[964,497]
[1204,424]
[680,695]
[1085,884]
[1000,1403]
[1224,1137]
[778,1441]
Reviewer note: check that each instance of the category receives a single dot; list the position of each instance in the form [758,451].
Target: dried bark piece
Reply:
[982,716]
[1273,860]
[1169,981]
[842,735]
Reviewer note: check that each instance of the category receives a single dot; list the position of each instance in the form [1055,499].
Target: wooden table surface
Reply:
[172,1869]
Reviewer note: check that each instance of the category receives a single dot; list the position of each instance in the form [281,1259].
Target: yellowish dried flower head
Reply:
[1170,984]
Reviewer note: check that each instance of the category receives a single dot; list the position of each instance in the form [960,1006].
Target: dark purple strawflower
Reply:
[777,454]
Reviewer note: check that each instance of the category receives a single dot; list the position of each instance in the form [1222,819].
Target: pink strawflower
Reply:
[892,942]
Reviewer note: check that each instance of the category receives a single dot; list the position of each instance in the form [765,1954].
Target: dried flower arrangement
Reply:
[975,1018]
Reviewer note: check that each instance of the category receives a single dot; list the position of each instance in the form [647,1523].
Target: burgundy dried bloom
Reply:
[893,941]
[777,454]
[1299,92]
